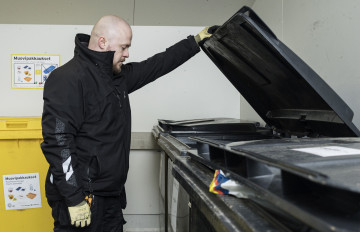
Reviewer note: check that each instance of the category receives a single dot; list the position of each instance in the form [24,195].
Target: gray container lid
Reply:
[286,93]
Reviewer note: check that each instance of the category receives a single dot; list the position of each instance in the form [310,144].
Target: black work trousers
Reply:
[106,216]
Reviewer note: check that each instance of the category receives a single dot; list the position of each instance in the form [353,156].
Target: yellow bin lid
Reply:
[20,128]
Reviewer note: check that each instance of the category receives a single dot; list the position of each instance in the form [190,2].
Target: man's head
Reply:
[112,33]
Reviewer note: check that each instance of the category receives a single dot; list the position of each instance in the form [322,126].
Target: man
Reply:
[87,124]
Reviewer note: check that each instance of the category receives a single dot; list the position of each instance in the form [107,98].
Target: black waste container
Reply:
[299,172]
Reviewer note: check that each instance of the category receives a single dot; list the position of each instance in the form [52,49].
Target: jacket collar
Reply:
[103,60]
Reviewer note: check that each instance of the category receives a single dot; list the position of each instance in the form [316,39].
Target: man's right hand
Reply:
[80,214]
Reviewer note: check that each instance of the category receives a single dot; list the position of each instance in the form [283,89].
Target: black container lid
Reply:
[286,93]
[208,125]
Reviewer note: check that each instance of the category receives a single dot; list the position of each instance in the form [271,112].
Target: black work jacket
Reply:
[86,119]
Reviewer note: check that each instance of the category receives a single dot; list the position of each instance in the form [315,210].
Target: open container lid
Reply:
[286,93]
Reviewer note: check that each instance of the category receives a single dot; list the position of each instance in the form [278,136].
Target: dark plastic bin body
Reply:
[292,189]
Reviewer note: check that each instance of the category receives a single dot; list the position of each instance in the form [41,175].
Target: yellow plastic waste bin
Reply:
[23,171]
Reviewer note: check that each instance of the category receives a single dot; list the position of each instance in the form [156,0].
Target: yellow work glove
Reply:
[205,33]
[80,214]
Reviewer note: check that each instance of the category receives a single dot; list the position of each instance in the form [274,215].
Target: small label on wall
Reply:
[31,71]
[22,191]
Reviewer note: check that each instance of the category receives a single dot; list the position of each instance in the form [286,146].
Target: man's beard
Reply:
[117,69]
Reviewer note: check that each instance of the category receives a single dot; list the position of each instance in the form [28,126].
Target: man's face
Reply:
[120,45]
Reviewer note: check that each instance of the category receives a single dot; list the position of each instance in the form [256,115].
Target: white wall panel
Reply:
[142,188]
[196,89]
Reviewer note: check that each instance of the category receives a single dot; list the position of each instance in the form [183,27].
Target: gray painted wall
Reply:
[325,34]
[136,12]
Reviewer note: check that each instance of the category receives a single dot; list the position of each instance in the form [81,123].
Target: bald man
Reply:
[112,33]
[86,124]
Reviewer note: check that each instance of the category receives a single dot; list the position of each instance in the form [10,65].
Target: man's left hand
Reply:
[205,33]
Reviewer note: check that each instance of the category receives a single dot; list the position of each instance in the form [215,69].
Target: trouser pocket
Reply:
[60,213]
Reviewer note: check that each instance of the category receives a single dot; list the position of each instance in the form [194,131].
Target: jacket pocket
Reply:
[94,168]
[92,112]
[112,171]
[96,105]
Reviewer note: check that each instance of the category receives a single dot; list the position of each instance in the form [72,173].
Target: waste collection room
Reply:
[256,132]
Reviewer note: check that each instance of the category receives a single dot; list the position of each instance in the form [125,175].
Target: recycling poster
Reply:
[31,71]
[22,191]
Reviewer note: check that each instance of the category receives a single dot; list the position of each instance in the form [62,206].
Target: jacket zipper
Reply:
[117,94]
[90,181]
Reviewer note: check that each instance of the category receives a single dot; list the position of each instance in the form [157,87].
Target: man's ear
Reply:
[102,43]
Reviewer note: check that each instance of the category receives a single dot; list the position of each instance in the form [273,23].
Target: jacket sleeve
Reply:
[141,73]
[62,117]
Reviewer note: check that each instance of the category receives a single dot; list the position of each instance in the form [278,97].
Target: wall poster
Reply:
[30,71]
